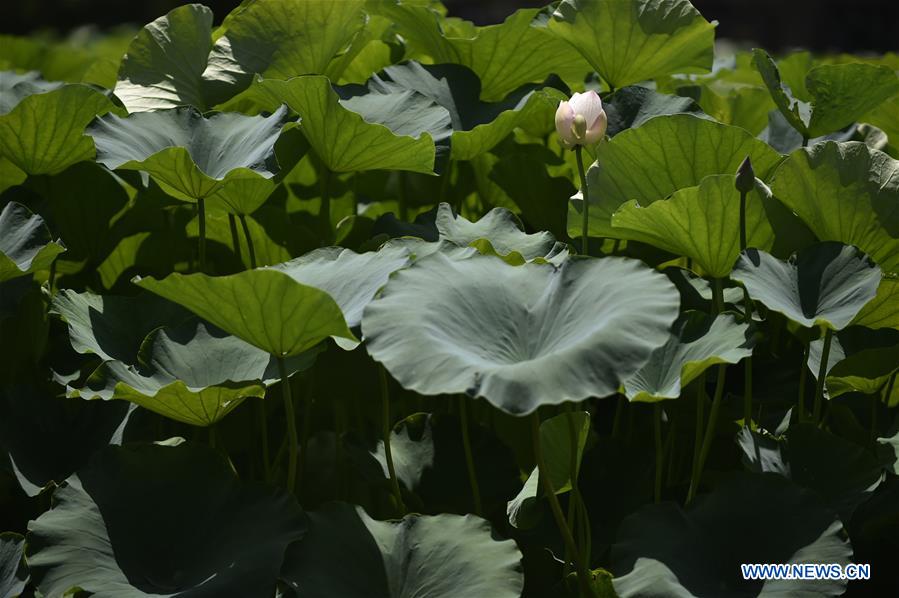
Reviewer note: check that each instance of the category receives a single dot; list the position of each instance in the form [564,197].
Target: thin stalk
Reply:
[742,220]
[293,444]
[657,428]
[803,377]
[585,222]
[574,466]
[235,240]
[822,374]
[582,573]
[385,431]
[718,299]
[700,423]
[469,457]
[262,418]
[747,394]
[51,278]
[201,219]
[251,250]
[709,433]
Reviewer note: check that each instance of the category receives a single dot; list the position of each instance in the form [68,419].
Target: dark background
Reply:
[821,25]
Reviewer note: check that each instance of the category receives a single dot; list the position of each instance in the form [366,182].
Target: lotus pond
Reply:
[358,299]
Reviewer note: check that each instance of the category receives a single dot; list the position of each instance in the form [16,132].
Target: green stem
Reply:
[201,219]
[469,457]
[51,278]
[574,466]
[657,428]
[804,141]
[803,377]
[385,431]
[585,222]
[582,573]
[235,240]
[700,423]
[262,416]
[293,444]
[742,220]
[822,375]
[709,433]
[747,394]
[308,409]
[251,250]
[718,299]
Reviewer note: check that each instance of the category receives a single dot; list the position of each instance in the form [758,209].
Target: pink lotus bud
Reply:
[581,120]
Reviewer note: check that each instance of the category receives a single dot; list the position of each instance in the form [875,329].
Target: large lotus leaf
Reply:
[781,523]
[189,155]
[739,104]
[701,223]
[477,126]
[266,250]
[845,192]
[796,112]
[153,520]
[842,472]
[43,134]
[163,66]
[663,155]
[47,437]
[883,310]
[341,138]
[519,336]
[280,39]
[191,373]
[823,285]
[13,572]
[501,55]
[628,41]
[346,553]
[266,308]
[634,105]
[14,87]
[351,279]
[865,367]
[697,343]
[111,326]
[25,242]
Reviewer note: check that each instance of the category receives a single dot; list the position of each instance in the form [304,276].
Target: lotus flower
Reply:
[581,120]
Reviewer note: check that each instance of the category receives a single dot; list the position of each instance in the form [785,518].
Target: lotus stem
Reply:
[386,430]
[585,222]
[657,433]
[747,393]
[575,470]
[803,376]
[235,239]
[293,444]
[201,219]
[251,250]
[822,374]
[469,458]
[709,433]
[582,574]
[700,423]
[743,220]
[262,417]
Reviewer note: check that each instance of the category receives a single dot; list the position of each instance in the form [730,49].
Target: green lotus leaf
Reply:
[347,553]
[190,156]
[883,310]
[192,373]
[13,571]
[697,343]
[823,285]
[842,472]
[351,279]
[860,360]
[628,41]
[114,327]
[650,577]
[783,523]
[836,94]
[341,138]
[25,243]
[665,154]
[266,250]
[634,105]
[152,520]
[739,104]
[501,55]
[886,118]
[701,223]
[519,336]
[43,134]
[845,192]
[14,87]
[266,308]
[476,126]
[243,196]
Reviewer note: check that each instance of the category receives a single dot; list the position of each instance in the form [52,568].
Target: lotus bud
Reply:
[581,120]
[745,176]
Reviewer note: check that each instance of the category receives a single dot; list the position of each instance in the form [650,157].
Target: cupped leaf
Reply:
[347,553]
[845,192]
[266,308]
[783,523]
[14,87]
[823,285]
[628,41]
[192,373]
[665,154]
[151,520]
[701,223]
[697,343]
[13,572]
[25,243]
[342,139]
[43,134]
[883,310]
[189,155]
[522,336]
[863,362]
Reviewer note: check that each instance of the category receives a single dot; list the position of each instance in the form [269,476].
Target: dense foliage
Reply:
[325,299]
